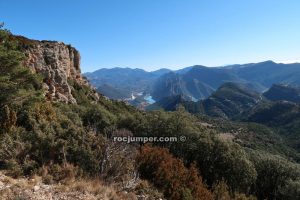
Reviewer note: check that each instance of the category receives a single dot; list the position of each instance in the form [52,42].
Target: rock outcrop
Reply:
[57,62]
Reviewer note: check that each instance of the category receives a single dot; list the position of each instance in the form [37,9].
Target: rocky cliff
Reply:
[57,62]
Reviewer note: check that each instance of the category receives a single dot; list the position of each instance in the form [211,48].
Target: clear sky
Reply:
[152,34]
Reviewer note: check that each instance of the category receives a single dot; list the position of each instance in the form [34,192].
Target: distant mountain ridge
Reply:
[125,80]
[196,82]
[229,101]
[239,102]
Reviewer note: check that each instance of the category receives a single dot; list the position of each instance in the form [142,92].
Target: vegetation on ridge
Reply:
[59,141]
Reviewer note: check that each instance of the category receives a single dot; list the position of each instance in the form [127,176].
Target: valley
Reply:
[194,83]
[241,132]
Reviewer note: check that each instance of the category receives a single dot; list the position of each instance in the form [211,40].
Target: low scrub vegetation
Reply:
[67,142]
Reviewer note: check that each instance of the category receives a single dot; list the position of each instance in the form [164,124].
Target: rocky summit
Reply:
[57,62]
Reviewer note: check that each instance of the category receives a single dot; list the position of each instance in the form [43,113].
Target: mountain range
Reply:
[193,83]
[124,81]
[237,101]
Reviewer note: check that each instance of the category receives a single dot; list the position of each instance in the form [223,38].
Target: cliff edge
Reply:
[57,62]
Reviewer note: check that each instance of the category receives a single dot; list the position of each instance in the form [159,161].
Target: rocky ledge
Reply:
[57,62]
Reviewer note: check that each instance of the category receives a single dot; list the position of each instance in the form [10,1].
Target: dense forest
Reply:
[220,159]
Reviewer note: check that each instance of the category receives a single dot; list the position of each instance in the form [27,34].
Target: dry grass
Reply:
[63,184]
[35,179]
[81,189]
[96,188]
[9,180]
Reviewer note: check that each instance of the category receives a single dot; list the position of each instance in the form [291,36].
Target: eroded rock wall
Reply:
[58,63]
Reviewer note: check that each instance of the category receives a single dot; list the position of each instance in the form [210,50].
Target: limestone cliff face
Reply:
[58,63]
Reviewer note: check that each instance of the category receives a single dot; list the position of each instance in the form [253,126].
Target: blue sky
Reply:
[152,34]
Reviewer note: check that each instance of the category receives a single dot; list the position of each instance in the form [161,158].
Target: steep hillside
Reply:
[195,83]
[168,103]
[283,92]
[230,100]
[170,84]
[282,116]
[276,113]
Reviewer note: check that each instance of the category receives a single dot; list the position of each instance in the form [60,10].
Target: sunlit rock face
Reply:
[58,63]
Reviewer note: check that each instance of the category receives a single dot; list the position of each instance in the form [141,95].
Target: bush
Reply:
[276,177]
[170,174]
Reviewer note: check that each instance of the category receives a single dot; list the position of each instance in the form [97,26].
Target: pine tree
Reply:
[17,83]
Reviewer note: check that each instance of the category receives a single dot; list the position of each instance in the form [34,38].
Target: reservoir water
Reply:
[149,99]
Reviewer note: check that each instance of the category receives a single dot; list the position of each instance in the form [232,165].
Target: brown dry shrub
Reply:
[60,173]
[169,173]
